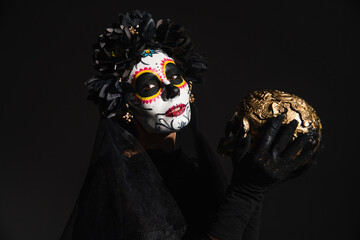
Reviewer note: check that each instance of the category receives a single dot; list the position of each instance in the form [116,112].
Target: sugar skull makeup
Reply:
[161,102]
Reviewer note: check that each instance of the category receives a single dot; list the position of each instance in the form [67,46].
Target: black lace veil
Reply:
[123,196]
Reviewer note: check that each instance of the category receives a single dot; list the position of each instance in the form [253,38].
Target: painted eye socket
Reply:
[172,73]
[147,85]
[171,79]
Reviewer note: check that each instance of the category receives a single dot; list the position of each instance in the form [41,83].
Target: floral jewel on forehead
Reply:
[148,52]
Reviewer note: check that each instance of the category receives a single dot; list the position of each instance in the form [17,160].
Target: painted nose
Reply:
[171,91]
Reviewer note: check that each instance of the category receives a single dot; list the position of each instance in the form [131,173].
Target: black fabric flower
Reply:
[120,48]
[178,45]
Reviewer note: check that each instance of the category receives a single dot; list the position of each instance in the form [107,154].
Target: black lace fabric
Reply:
[123,196]
[129,196]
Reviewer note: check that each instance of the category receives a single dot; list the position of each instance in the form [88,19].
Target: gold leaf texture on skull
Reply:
[258,107]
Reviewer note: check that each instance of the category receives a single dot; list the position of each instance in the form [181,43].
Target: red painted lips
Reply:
[176,110]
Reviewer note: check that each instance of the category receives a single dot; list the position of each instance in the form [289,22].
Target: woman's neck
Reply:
[164,142]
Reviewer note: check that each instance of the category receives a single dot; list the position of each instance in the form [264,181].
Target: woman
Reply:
[138,185]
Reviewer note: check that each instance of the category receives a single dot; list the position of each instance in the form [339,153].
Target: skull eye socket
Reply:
[173,74]
[147,85]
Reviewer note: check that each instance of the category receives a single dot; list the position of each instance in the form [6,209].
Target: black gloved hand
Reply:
[276,159]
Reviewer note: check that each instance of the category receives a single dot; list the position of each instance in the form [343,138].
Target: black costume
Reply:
[133,197]
[131,194]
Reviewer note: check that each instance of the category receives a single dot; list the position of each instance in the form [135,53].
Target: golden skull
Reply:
[254,111]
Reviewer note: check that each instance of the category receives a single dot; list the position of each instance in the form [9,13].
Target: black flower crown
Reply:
[120,48]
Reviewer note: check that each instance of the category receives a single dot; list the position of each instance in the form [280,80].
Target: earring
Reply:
[191,97]
[128,116]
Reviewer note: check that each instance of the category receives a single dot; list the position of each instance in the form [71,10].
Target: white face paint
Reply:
[161,103]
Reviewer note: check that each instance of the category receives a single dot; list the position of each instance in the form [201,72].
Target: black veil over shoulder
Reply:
[123,196]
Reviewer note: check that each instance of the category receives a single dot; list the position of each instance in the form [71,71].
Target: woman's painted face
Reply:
[161,102]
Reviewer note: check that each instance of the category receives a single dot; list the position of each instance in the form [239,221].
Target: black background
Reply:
[48,126]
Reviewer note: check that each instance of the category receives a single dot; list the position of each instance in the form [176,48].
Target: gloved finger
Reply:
[296,146]
[302,156]
[285,138]
[314,141]
[307,154]
[234,127]
[317,148]
[242,146]
[271,132]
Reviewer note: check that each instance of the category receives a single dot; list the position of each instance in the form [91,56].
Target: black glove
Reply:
[276,159]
